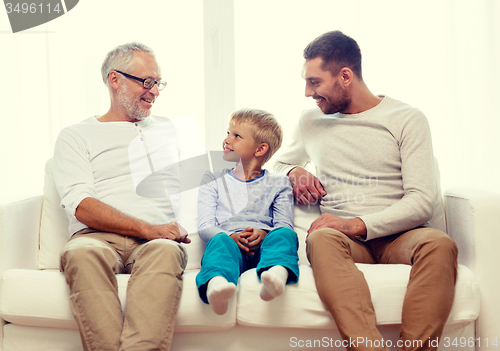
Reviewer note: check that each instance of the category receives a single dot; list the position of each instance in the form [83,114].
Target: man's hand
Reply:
[171,231]
[351,227]
[306,187]
[98,215]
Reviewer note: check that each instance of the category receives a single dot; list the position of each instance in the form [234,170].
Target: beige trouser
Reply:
[344,291]
[90,261]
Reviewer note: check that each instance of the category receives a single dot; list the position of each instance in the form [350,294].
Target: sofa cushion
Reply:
[304,215]
[301,307]
[41,298]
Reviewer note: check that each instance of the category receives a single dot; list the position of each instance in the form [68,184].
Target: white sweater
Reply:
[111,162]
[376,165]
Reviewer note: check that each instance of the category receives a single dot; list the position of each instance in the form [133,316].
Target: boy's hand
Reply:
[255,240]
[249,240]
[241,240]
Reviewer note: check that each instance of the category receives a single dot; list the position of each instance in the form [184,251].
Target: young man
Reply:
[114,229]
[246,215]
[376,188]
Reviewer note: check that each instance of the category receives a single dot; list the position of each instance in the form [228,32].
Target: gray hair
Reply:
[121,58]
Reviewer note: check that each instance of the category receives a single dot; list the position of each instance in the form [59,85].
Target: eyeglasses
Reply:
[148,83]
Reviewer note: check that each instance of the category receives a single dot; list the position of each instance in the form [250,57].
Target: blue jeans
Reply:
[223,258]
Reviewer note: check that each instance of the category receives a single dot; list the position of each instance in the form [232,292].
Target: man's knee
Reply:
[327,239]
[437,249]
[438,242]
[326,235]
[86,252]
[447,244]
[165,250]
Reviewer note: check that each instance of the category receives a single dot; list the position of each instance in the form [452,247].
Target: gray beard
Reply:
[133,108]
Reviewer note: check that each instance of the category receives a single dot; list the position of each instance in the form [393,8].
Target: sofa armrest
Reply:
[19,232]
[2,324]
[471,220]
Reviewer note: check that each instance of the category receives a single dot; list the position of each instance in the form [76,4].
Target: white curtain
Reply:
[440,56]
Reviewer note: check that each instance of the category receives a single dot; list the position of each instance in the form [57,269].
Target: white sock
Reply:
[219,291]
[273,282]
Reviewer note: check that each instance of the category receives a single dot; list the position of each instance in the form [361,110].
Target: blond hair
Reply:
[266,128]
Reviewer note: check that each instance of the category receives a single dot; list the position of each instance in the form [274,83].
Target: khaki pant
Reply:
[344,291]
[90,261]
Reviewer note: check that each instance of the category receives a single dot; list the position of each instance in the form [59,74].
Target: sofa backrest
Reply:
[438,219]
[54,232]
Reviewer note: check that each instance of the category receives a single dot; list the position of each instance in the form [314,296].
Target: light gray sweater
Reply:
[376,165]
[264,202]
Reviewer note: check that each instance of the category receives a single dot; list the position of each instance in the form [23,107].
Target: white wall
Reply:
[440,56]
[51,75]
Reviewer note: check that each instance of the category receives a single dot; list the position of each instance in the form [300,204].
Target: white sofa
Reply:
[36,315]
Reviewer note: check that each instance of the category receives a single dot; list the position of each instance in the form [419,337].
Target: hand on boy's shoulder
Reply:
[307,189]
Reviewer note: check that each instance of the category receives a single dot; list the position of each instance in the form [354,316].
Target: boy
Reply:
[246,215]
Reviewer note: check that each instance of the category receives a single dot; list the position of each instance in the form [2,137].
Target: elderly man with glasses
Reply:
[113,228]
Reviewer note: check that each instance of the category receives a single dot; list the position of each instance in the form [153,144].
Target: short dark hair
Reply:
[337,51]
